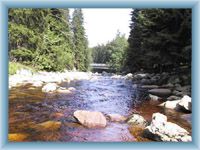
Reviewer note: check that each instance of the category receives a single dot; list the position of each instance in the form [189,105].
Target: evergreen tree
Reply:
[56,51]
[41,38]
[24,31]
[159,39]
[81,50]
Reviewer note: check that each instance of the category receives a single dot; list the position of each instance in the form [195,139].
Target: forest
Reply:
[48,39]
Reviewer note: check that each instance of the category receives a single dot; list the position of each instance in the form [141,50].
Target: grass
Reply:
[14,66]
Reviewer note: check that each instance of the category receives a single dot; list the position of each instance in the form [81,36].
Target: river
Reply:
[29,106]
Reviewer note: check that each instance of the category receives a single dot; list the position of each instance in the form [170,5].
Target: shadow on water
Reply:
[29,107]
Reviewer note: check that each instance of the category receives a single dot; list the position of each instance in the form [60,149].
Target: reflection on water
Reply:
[29,107]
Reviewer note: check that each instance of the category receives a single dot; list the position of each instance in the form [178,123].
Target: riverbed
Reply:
[29,106]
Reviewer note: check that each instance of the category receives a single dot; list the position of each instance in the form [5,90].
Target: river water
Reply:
[29,106]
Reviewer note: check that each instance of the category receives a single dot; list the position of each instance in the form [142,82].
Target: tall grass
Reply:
[14,66]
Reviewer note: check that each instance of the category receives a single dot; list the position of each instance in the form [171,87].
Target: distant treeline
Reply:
[159,40]
[48,39]
[112,53]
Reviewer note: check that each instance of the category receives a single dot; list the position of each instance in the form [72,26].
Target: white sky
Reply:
[101,24]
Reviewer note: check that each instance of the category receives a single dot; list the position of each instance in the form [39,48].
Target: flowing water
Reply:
[29,107]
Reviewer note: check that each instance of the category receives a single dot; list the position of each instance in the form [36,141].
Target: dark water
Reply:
[29,107]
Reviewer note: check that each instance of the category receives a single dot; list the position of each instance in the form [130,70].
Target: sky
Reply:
[101,24]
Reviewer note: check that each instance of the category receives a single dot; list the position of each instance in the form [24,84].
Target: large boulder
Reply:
[90,119]
[137,120]
[184,104]
[170,104]
[50,87]
[161,130]
[160,92]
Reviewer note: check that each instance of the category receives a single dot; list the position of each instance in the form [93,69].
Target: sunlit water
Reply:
[29,106]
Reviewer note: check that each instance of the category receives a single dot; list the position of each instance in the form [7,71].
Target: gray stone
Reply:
[90,119]
[160,92]
[161,130]
[50,87]
[154,97]
[185,103]
[137,120]
[173,97]
[149,86]
[170,104]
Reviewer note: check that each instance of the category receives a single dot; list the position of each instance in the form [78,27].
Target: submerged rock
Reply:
[116,118]
[63,90]
[50,87]
[137,120]
[48,126]
[17,137]
[161,130]
[90,119]
[71,88]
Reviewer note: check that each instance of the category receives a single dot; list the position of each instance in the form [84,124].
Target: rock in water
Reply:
[48,126]
[17,137]
[160,92]
[37,83]
[137,120]
[170,104]
[161,130]
[90,119]
[50,87]
[185,103]
[116,118]
[154,97]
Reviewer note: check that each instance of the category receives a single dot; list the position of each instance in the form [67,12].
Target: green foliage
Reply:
[118,47]
[159,39]
[13,67]
[81,51]
[44,39]
[113,53]
[22,54]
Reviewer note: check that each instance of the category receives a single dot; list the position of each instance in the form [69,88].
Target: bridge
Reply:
[99,67]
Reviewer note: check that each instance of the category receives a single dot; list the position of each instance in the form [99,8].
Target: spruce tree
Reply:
[81,50]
